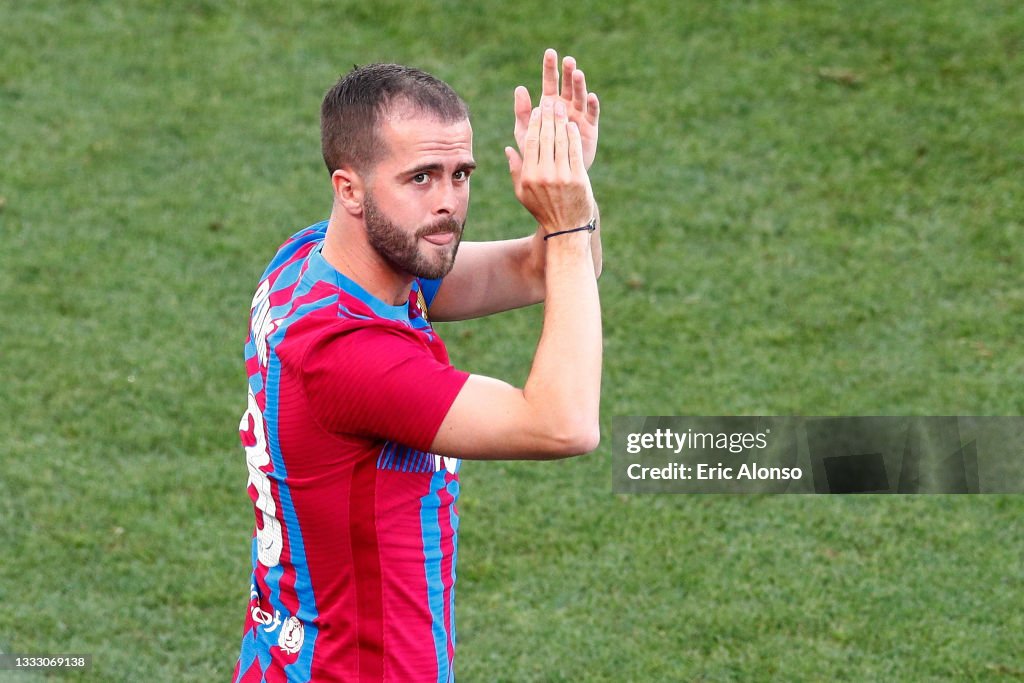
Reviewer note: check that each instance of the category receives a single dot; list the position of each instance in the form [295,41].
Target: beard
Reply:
[400,247]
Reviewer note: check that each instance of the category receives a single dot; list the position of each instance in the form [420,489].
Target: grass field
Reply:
[809,208]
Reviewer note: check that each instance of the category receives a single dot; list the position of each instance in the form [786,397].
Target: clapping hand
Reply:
[550,177]
[582,108]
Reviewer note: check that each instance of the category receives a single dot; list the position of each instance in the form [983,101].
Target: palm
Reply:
[582,107]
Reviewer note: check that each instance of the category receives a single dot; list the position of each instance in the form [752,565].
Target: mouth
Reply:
[440,238]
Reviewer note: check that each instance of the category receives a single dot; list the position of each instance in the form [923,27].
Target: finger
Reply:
[531,148]
[593,109]
[568,66]
[521,106]
[547,133]
[579,91]
[562,164]
[575,148]
[549,73]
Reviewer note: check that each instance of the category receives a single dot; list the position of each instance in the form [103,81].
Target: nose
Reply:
[448,198]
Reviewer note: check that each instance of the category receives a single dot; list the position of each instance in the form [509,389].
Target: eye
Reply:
[420,179]
[460,176]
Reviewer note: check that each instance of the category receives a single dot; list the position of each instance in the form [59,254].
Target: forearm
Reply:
[534,263]
[564,385]
[595,244]
[555,415]
[490,277]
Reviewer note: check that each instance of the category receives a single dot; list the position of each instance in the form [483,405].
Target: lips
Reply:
[440,238]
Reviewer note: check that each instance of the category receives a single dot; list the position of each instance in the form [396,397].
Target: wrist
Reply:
[585,229]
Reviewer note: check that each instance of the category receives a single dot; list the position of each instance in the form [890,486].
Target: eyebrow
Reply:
[437,168]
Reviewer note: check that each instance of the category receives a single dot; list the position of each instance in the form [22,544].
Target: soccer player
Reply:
[356,420]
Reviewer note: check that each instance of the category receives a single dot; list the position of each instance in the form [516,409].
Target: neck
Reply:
[348,252]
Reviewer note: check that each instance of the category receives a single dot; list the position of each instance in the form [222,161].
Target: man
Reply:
[356,421]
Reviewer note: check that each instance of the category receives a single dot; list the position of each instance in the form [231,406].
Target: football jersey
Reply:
[354,549]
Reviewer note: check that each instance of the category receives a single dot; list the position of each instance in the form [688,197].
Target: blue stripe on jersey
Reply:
[433,559]
[289,275]
[249,651]
[255,380]
[404,459]
[453,489]
[256,383]
[395,456]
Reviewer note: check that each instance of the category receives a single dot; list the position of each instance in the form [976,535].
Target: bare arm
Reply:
[491,277]
[556,413]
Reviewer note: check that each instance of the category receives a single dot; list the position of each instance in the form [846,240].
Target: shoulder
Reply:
[362,343]
[296,248]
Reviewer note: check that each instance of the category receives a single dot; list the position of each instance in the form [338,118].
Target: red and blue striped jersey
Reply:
[355,544]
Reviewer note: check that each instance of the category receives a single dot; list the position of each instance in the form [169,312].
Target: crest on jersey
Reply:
[292,635]
[421,303]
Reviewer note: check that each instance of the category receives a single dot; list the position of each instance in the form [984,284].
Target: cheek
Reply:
[401,205]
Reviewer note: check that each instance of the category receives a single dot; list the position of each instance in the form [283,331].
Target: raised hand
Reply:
[582,108]
[550,178]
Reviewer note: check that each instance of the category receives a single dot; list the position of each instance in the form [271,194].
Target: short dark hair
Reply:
[351,110]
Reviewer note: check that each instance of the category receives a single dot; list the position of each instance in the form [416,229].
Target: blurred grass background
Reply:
[810,208]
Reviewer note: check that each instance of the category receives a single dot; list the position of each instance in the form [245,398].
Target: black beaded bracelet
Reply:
[589,227]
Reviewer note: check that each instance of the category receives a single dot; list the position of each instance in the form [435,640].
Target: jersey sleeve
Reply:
[381,382]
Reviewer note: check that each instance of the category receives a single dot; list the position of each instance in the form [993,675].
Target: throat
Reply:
[361,264]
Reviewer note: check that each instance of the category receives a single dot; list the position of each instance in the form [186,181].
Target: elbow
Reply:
[589,441]
[575,438]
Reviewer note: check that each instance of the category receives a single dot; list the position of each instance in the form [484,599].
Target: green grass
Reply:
[809,208]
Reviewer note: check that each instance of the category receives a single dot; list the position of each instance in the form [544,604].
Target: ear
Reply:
[349,188]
